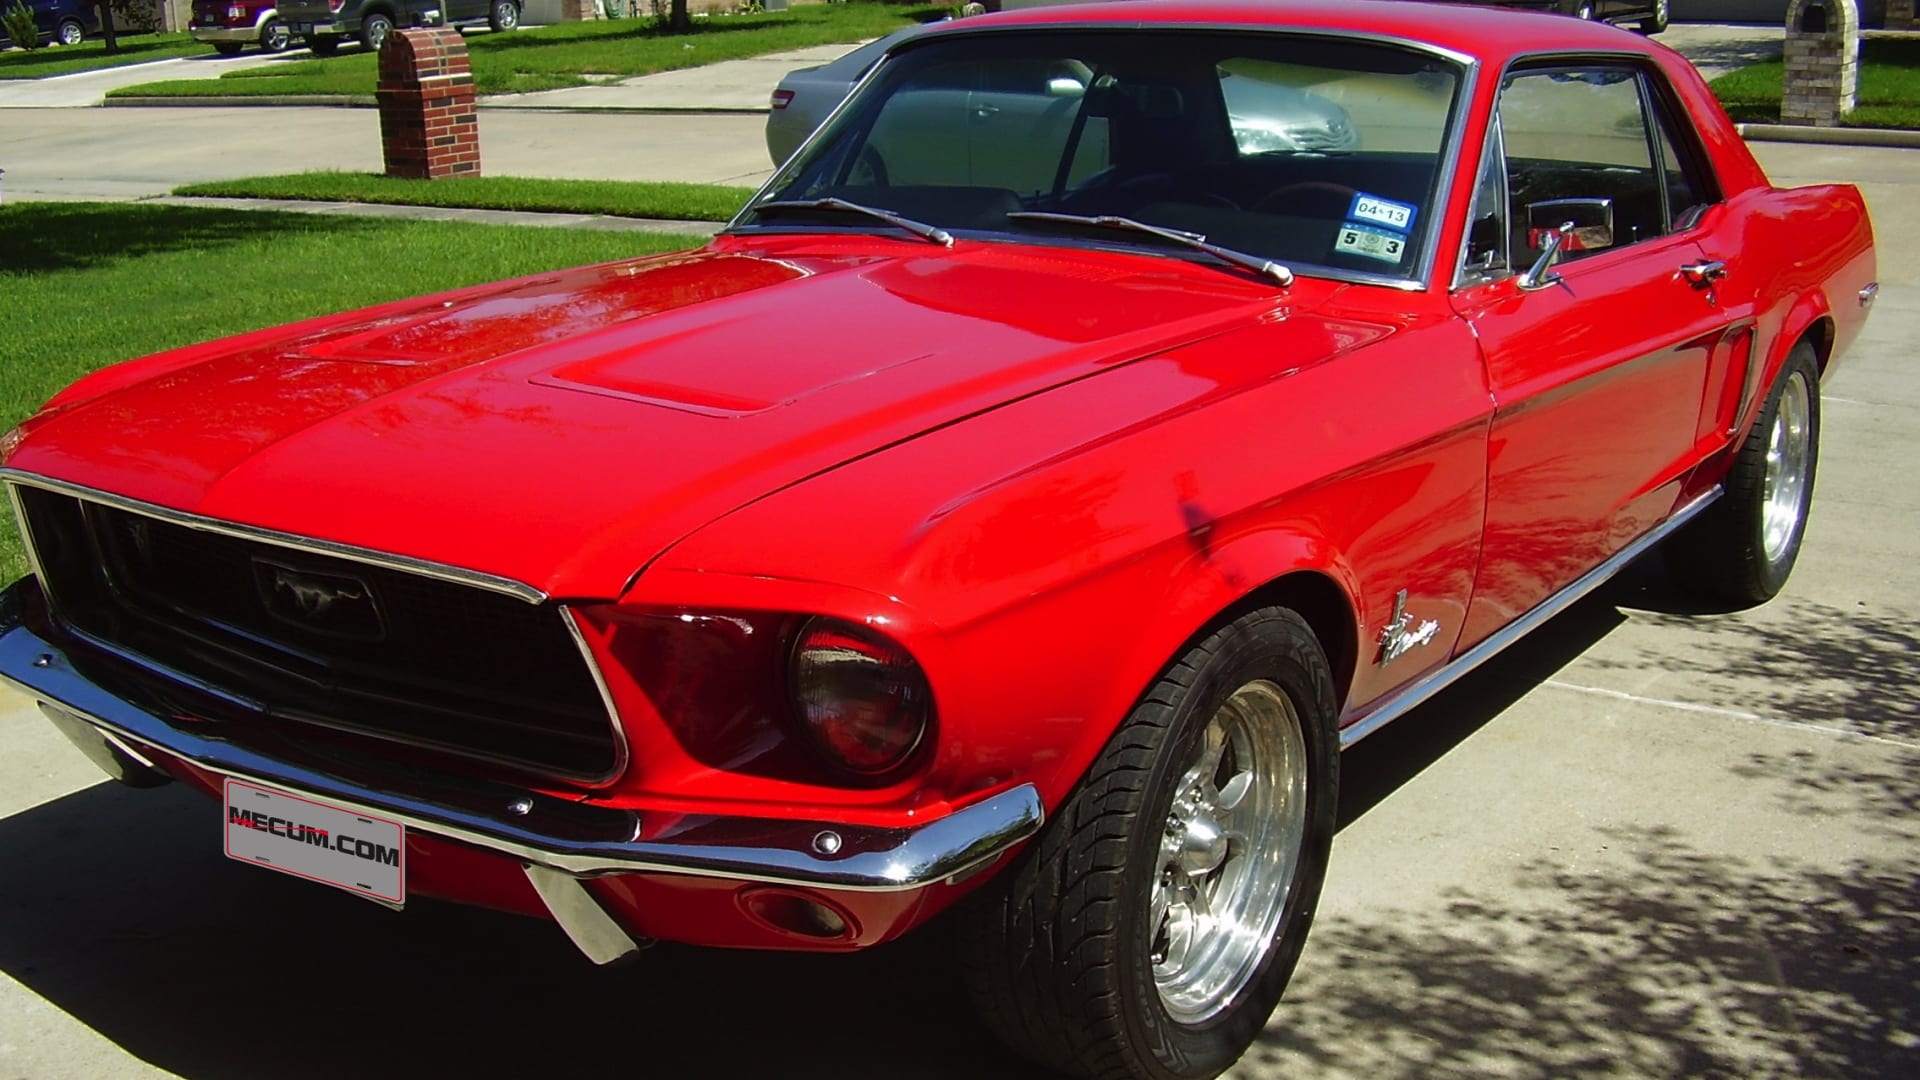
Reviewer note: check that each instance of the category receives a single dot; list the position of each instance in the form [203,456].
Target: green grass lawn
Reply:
[88,284]
[550,57]
[1889,94]
[622,198]
[92,54]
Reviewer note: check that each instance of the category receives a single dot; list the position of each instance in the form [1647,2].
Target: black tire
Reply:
[323,45]
[69,32]
[1740,550]
[274,37]
[1657,22]
[504,15]
[374,30]
[228,48]
[1070,957]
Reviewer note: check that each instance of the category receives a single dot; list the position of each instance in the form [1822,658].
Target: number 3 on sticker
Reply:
[1370,243]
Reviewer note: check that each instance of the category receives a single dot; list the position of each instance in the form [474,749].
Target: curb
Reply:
[1830,136]
[643,110]
[368,101]
[346,101]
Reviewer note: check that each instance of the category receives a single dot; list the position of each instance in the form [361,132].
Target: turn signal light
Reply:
[860,699]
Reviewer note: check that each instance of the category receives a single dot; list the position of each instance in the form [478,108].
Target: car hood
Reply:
[563,430]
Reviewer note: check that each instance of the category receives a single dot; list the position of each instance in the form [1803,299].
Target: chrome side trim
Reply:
[1418,691]
[580,915]
[563,834]
[519,590]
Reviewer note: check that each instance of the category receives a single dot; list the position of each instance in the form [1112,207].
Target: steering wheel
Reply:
[1287,194]
[869,170]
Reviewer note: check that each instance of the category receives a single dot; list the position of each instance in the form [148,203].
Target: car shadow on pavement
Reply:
[119,908]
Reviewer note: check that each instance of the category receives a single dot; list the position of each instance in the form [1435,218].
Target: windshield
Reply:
[1311,151]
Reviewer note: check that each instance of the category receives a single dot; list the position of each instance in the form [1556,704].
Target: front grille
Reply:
[316,639]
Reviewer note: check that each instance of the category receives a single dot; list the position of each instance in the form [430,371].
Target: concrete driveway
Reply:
[1647,842]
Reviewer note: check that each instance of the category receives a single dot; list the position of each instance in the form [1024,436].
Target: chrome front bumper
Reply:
[540,831]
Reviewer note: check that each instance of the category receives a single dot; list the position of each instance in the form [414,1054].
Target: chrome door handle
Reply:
[1703,274]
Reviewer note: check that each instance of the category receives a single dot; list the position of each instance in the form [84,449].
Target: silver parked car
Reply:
[1265,117]
[807,95]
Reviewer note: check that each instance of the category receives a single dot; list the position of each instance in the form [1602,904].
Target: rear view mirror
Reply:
[1592,221]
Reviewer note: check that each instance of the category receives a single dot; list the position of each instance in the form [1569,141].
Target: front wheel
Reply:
[1150,929]
[504,15]
[374,30]
[69,32]
[274,37]
[1741,549]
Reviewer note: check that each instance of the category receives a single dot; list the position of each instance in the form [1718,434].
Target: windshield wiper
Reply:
[918,228]
[1196,241]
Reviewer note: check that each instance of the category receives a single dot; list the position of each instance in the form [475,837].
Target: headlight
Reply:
[859,698]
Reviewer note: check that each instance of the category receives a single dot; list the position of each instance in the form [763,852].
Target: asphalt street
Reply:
[1648,841]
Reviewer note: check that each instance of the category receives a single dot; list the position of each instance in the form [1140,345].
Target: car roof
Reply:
[1490,34]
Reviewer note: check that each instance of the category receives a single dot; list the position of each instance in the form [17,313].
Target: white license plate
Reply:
[299,836]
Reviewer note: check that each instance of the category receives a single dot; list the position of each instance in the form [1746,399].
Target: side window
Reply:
[1690,187]
[1578,149]
[1485,255]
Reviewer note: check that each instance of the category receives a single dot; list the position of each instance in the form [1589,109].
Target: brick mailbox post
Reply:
[428,126]
[1823,62]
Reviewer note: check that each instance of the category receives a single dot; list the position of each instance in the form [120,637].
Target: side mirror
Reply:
[1065,86]
[1586,223]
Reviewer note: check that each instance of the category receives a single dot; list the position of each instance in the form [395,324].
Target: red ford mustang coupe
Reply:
[1014,511]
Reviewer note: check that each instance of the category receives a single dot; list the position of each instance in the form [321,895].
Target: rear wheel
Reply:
[69,32]
[274,37]
[1742,548]
[1151,928]
[323,45]
[228,48]
[504,15]
[374,30]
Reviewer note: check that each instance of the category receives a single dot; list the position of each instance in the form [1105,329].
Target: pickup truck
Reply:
[324,24]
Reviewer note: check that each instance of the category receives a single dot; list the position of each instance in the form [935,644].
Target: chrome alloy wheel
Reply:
[1789,454]
[1229,853]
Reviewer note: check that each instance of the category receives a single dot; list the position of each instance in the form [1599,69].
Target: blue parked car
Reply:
[63,22]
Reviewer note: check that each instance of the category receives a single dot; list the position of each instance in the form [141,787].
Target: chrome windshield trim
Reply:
[519,590]
[561,833]
[1425,687]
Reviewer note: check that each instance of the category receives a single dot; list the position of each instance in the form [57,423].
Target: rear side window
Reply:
[1591,145]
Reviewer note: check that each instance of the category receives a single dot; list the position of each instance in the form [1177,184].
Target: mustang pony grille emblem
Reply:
[1401,634]
[339,605]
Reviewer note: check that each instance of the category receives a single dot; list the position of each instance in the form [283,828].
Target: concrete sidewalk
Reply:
[84,89]
[728,86]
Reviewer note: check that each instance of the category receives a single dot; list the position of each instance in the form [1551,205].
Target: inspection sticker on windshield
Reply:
[1378,211]
[328,844]
[1369,242]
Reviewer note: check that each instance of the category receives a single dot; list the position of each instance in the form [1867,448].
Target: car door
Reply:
[1598,370]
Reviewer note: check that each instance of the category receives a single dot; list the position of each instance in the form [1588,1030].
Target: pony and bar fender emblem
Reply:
[1401,633]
